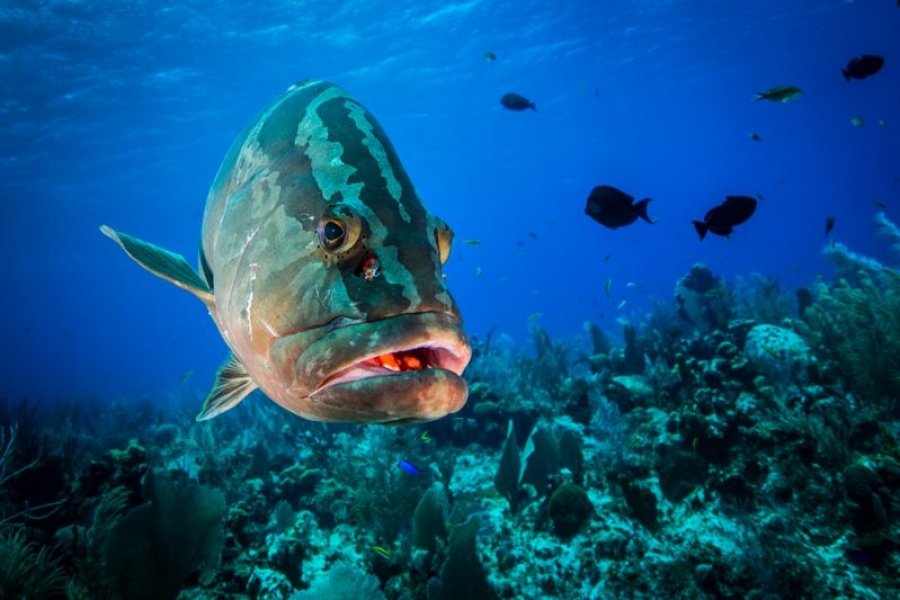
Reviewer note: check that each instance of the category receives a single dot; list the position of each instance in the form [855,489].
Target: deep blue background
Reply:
[120,112]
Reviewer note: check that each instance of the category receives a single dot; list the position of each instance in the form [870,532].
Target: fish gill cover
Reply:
[688,419]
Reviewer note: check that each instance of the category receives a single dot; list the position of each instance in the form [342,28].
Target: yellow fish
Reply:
[769,351]
[382,551]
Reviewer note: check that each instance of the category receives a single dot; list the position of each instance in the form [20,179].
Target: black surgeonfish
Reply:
[614,208]
[863,66]
[514,101]
[722,219]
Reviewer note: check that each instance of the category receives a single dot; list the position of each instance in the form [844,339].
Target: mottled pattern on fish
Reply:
[363,331]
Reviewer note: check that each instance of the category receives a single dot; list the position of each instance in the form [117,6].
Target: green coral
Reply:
[859,326]
[152,549]
[25,571]
[569,509]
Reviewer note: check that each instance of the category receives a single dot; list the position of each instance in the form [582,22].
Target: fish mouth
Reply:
[402,369]
[397,361]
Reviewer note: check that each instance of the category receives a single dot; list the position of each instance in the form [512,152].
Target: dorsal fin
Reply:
[232,385]
[162,263]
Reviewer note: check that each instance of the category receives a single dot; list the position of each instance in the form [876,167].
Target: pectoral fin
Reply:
[232,385]
[162,263]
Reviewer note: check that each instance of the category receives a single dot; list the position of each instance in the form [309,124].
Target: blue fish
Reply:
[409,467]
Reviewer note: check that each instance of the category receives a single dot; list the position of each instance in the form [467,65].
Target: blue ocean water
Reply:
[120,113]
[744,446]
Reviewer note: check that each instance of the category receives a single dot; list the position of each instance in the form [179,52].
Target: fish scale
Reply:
[322,269]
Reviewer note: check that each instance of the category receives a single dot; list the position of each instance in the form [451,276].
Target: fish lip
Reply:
[438,357]
[338,355]
[332,382]
[437,338]
[319,373]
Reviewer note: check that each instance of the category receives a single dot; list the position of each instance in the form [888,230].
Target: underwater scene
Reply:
[479,299]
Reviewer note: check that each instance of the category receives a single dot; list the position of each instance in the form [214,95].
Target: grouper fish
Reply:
[322,270]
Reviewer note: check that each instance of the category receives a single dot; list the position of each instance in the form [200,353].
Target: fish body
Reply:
[489,56]
[614,208]
[770,351]
[829,225]
[780,93]
[862,67]
[722,219]
[857,121]
[309,200]
[408,467]
[514,101]
[755,137]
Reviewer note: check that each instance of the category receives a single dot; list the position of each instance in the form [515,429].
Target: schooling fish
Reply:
[780,93]
[722,219]
[514,101]
[309,199]
[614,208]
[862,67]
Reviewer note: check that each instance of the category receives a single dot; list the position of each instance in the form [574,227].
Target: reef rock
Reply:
[779,354]
[703,299]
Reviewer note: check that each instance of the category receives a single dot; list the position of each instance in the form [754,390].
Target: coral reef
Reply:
[739,442]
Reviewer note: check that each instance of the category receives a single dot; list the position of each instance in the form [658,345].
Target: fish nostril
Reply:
[370,267]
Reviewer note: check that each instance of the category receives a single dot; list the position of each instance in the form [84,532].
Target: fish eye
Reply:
[339,230]
[332,233]
[443,236]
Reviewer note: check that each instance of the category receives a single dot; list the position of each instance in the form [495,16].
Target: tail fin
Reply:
[532,106]
[759,96]
[701,228]
[846,74]
[641,208]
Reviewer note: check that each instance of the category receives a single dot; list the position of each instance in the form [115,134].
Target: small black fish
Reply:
[863,66]
[514,101]
[829,225]
[722,219]
[614,208]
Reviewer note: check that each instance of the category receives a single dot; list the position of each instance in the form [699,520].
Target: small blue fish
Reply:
[409,467]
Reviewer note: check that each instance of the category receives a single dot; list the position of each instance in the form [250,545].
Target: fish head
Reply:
[327,268]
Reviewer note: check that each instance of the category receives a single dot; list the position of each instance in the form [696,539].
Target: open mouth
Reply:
[397,362]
